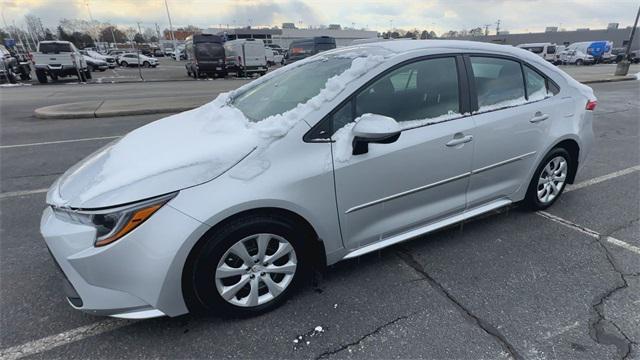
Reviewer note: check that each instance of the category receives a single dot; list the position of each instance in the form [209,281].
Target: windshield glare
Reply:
[285,91]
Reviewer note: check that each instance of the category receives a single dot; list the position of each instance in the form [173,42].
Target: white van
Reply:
[273,56]
[546,51]
[246,56]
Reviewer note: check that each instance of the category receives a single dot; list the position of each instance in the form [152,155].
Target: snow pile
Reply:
[637,76]
[196,146]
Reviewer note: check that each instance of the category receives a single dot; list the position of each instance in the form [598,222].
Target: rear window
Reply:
[551,49]
[209,51]
[54,48]
[535,49]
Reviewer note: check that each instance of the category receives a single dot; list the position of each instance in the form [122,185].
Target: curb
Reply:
[597,81]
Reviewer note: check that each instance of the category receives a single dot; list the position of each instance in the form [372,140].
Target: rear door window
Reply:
[536,84]
[499,82]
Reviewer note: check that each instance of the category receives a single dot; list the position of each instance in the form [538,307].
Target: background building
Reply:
[619,37]
[286,35]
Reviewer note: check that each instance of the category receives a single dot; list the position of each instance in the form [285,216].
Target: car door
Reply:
[512,123]
[422,177]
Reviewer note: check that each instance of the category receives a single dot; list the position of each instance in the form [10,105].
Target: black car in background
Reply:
[300,49]
[205,55]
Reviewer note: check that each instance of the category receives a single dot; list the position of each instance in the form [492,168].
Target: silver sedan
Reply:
[223,208]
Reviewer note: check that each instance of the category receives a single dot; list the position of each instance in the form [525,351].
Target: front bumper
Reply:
[138,276]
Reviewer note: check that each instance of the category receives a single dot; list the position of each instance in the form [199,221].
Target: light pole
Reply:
[173,36]
[622,69]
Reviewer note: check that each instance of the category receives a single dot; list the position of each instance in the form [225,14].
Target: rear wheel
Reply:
[579,62]
[124,64]
[550,179]
[248,266]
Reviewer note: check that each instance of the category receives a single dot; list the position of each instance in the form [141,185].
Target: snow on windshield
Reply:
[207,141]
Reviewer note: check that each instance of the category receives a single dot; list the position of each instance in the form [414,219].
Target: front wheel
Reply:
[247,267]
[124,64]
[549,180]
[579,62]
[146,64]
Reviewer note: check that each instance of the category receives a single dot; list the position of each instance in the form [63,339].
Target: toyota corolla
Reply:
[222,208]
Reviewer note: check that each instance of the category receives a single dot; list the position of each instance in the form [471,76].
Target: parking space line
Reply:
[64,338]
[11,194]
[589,232]
[59,142]
[602,178]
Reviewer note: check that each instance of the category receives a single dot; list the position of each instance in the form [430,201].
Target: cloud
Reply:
[439,15]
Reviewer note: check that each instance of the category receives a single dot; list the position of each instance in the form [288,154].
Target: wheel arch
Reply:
[314,248]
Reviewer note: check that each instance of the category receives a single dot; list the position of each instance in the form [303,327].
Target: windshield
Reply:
[209,51]
[285,91]
[54,48]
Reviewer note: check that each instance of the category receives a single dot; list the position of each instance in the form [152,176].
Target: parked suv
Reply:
[57,59]
[223,208]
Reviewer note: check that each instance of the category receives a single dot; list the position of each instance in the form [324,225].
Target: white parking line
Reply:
[59,142]
[11,194]
[602,178]
[589,232]
[64,338]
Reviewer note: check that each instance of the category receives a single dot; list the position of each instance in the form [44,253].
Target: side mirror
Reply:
[374,128]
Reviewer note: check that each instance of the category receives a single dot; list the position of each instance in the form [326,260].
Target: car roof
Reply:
[446,46]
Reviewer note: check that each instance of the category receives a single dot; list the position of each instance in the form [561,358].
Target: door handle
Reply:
[538,116]
[458,140]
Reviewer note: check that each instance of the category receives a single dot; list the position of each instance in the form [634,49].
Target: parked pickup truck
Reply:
[59,59]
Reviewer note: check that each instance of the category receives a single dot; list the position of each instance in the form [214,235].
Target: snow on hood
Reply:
[187,149]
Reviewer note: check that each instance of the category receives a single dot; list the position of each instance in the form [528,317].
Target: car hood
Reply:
[167,155]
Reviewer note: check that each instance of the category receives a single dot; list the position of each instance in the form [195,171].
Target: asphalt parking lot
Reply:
[563,284]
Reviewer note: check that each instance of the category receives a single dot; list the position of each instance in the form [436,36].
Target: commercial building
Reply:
[619,37]
[286,35]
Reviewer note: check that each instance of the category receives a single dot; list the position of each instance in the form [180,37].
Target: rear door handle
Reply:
[538,116]
[458,139]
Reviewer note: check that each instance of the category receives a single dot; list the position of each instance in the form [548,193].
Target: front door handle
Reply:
[538,116]
[458,139]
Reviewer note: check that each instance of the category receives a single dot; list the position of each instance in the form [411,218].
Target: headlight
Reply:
[112,224]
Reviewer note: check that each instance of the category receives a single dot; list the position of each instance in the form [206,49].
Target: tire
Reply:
[87,74]
[42,77]
[146,64]
[91,68]
[579,62]
[82,77]
[54,77]
[557,162]
[25,76]
[124,64]
[11,76]
[202,280]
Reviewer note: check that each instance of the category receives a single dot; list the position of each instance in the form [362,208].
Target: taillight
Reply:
[591,105]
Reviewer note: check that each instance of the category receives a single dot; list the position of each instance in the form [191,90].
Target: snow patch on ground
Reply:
[637,75]
[197,145]
[14,85]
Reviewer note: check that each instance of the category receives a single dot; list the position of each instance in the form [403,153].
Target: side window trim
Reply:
[312,136]
[473,95]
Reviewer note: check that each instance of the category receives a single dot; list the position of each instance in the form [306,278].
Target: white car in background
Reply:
[135,59]
[110,60]
[223,208]
[576,57]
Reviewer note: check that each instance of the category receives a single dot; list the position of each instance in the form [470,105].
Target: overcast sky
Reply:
[437,15]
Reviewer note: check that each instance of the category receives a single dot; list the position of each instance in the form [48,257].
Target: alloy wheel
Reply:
[552,179]
[256,270]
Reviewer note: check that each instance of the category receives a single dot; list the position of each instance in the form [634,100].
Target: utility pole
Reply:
[622,69]
[158,32]
[486,29]
[173,36]
[498,27]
